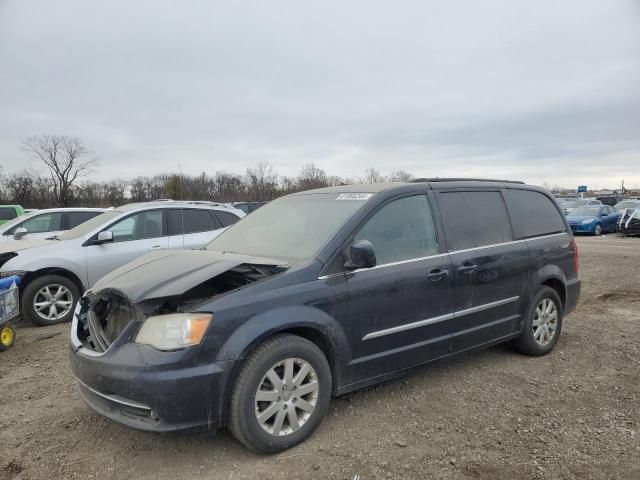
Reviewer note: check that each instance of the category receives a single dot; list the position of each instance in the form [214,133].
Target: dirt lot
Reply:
[495,414]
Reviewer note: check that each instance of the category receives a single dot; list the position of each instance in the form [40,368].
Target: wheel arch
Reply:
[317,327]
[63,272]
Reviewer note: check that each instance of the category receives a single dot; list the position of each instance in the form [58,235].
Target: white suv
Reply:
[40,224]
[56,271]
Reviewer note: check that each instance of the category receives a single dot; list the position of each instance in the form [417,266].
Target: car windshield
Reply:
[575,203]
[290,228]
[586,211]
[91,224]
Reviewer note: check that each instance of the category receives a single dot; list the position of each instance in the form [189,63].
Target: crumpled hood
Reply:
[16,246]
[172,272]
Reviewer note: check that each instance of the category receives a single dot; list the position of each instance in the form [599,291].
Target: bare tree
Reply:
[262,182]
[371,175]
[311,177]
[400,176]
[65,158]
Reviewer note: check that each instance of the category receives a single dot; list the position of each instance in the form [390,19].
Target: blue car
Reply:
[595,219]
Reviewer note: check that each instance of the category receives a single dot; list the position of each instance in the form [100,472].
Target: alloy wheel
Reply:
[53,302]
[545,322]
[286,396]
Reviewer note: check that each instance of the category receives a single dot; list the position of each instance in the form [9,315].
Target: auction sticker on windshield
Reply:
[354,196]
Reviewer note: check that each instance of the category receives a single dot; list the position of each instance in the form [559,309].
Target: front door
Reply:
[490,270]
[133,236]
[399,310]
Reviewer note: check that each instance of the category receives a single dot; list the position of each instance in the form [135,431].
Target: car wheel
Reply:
[597,230]
[542,324]
[280,394]
[50,299]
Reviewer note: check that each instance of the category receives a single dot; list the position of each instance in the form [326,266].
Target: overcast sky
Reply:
[542,91]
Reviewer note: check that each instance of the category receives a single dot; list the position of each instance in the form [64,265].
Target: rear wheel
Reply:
[542,324]
[280,395]
[50,299]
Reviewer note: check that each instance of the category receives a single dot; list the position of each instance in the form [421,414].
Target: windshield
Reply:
[290,228]
[586,212]
[575,203]
[90,225]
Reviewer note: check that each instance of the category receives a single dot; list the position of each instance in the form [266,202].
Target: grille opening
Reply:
[102,319]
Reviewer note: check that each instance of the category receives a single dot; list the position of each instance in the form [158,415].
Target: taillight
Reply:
[576,256]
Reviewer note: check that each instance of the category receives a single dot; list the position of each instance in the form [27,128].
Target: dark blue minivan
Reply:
[320,293]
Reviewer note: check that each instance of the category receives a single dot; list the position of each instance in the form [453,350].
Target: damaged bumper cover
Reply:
[140,385]
[147,389]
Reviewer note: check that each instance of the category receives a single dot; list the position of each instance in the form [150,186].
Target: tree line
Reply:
[69,164]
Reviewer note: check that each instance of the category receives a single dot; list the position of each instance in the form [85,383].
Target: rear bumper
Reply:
[573,295]
[150,390]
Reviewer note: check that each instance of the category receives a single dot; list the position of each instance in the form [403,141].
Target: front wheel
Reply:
[597,230]
[50,299]
[280,395]
[542,324]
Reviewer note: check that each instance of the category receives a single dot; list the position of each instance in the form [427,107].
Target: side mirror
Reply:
[362,255]
[105,237]
[20,232]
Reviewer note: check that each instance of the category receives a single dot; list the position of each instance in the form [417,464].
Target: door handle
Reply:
[437,274]
[467,268]
[157,247]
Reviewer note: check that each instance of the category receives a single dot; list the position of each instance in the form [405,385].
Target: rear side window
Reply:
[76,218]
[533,214]
[190,221]
[474,219]
[226,218]
[401,230]
[7,213]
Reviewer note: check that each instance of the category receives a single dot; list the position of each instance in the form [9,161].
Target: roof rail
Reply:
[445,179]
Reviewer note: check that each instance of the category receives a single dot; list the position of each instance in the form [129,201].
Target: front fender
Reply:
[33,265]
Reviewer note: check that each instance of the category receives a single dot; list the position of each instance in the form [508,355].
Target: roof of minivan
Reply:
[433,182]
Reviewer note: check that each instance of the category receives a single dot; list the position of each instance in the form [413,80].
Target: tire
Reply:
[7,337]
[275,356]
[597,231]
[535,342]
[35,292]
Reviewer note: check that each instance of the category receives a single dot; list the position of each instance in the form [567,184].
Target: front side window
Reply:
[48,222]
[138,227]
[474,219]
[401,230]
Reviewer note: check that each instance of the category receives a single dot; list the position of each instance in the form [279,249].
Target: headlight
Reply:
[588,220]
[174,331]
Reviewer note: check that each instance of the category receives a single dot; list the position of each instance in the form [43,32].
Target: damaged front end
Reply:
[103,315]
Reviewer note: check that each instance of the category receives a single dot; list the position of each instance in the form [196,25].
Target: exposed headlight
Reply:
[588,220]
[174,331]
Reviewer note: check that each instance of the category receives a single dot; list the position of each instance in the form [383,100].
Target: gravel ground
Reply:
[493,414]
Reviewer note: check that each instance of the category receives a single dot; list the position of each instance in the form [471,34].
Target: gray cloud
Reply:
[543,91]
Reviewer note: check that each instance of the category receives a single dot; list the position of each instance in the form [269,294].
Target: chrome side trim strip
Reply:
[408,326]
[452,252]
[441,318]
[115,398]
[486,306]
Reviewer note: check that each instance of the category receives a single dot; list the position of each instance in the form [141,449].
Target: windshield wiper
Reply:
[54,237]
